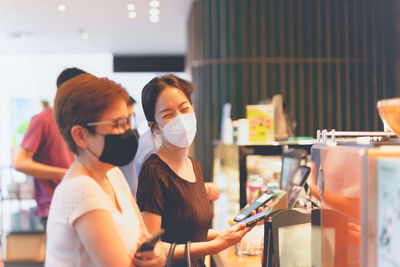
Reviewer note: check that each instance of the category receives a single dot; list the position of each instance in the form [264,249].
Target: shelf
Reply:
[18,198]
[28,232]
[24,263]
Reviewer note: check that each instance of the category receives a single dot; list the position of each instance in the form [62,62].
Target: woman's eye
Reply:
[166,116]
[185,109]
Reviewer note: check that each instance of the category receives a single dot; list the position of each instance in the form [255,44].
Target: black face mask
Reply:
[119,149]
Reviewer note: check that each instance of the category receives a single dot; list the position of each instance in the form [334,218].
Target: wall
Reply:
[331,60]
[33,78]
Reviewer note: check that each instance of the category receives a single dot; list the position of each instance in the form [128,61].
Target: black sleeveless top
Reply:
[184,206]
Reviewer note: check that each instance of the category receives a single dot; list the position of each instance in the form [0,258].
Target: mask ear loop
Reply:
[156,134]
[93,132]
[155,125]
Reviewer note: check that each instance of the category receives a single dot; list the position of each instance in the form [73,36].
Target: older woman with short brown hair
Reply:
[93,219]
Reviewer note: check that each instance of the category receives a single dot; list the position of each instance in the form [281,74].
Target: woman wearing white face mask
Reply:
[171,192]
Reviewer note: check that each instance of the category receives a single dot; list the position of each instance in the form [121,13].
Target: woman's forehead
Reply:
[115,110]
[170,97]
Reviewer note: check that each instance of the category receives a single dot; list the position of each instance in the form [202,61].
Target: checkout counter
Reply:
[356,185]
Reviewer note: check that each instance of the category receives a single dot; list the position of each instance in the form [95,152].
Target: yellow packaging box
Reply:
[261,123]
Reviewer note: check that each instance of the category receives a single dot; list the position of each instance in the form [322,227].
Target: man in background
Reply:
[129,170]
[44,154]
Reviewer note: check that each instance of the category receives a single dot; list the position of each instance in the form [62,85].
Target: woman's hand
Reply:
[231,236]
[156,257]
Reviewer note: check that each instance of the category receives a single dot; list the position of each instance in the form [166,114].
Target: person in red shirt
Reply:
[44,154]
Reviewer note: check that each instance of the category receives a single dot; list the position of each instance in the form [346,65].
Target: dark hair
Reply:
[131,101]
[84,99]
[152,90]
[68,74]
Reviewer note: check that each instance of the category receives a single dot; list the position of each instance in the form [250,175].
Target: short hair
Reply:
[68,74]
[152,90]
[84,99]
[131,101]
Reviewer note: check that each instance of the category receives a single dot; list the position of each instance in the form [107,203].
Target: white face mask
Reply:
[180,131]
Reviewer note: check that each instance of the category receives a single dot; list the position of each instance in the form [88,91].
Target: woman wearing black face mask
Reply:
[93,219]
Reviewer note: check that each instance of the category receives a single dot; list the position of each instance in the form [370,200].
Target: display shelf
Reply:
[17,198]
[25,232]
[23,263]
[22,235]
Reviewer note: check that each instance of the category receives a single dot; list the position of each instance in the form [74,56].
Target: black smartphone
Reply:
[261,201]
[151,241]
[255,218]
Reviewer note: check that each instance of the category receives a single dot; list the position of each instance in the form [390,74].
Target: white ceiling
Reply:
[36,26]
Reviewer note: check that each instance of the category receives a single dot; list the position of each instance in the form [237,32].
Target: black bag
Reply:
[171,255]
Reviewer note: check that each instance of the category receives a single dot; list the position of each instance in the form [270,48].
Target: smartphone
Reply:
[255,218]
[151,241]
[301,175]
[261,201]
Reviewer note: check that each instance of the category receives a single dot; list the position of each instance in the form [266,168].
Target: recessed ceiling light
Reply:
[132,14]
[62,8]
[154,19]
[154,3]
[154,11]
[130,7]
[85,35]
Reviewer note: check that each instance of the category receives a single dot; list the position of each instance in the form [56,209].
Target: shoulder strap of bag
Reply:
[187,252]
[170,255]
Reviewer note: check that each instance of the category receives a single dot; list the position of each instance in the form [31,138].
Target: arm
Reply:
[221,241]
[97,232]
[213,233]
[23,163]
[212,191]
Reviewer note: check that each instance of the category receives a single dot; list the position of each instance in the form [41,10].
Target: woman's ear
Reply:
[79,135]
[153,127]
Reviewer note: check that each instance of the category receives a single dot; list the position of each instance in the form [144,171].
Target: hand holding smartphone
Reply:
[255,218]
[149,244]
[261,201]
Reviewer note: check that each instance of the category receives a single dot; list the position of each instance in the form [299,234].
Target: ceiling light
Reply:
[154,12]
[132,14]
[154,19]
[130,7]
[85,35]
[154,3]
[62,8]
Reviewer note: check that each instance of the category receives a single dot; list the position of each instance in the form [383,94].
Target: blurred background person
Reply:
[43,153]
[129,170]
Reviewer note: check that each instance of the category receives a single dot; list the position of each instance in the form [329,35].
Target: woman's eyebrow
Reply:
[169,109]
[165,110]
[183,103]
